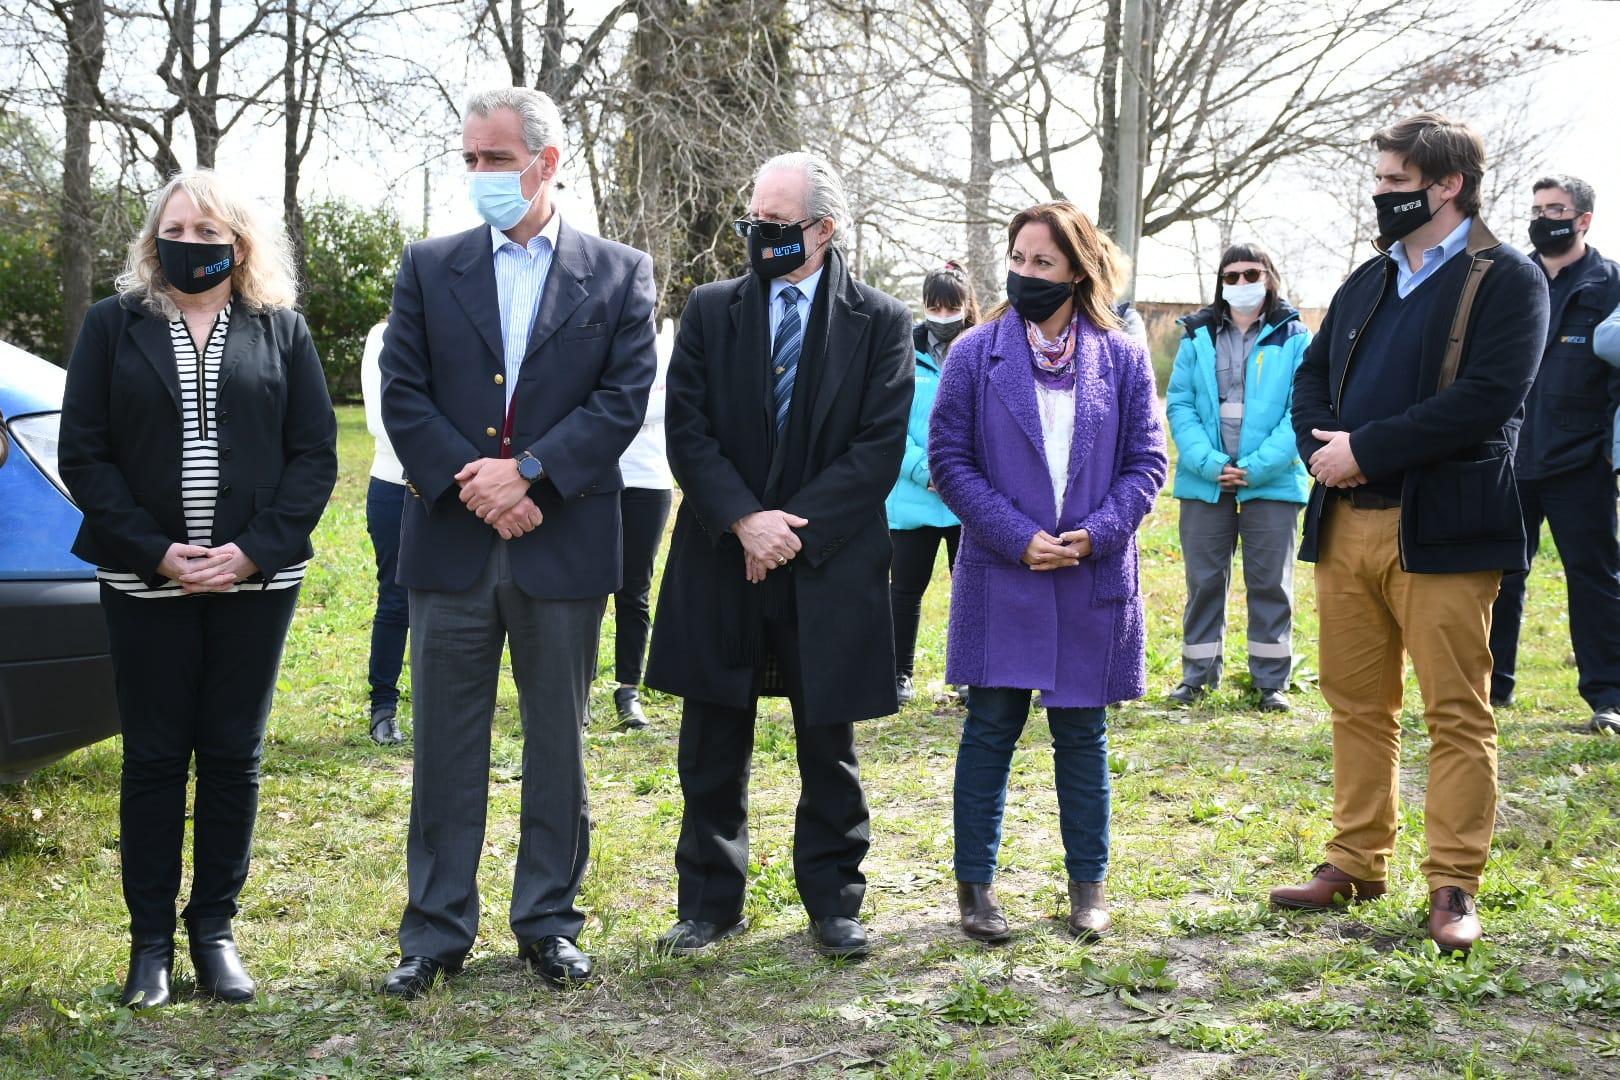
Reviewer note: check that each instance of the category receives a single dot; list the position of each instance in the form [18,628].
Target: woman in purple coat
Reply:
[1046,443]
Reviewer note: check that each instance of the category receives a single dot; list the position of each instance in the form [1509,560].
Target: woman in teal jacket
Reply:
[918,520]
[1238,474]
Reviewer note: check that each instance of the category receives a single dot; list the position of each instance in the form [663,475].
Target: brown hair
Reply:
[1082,244]
[949,287]
[1438,146]
[1249,251]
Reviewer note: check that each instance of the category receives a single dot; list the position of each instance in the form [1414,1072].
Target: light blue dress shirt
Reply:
[807,296]
[520,281]
[1407,279]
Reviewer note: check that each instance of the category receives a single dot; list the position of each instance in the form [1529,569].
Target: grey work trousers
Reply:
[1209,538]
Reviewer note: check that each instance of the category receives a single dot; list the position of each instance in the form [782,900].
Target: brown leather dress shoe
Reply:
[1088,911]
[982,919]
[1329,888]
[1453,920]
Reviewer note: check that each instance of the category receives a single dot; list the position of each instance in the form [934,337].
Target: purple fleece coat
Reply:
[1076,634]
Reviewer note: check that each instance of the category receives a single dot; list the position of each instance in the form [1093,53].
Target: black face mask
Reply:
[195,268]
[1552,237]
[1036,299]
[1399,212]
[773,258]
[945,331]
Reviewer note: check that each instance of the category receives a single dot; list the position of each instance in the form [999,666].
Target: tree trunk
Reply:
[292,160]
[981,248]
[515,60]
[1108,122]
[551,46]
[76,246]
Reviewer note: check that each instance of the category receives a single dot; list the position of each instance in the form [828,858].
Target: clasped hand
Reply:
[1048,552]
[493,489]
[1335,464]
[203,569]
[768,541]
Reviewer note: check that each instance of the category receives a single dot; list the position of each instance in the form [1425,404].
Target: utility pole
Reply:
[1128,144]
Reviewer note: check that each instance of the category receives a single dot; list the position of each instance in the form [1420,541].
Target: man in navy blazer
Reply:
[515,369]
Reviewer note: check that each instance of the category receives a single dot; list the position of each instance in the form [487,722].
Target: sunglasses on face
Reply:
[1232,277]
[767,230]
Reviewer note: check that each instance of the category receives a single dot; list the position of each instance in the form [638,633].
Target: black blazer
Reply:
[716,418]
[121,435]
[1459,499]
[580,399]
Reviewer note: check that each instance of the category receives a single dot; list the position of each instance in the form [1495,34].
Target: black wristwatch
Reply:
[529,467]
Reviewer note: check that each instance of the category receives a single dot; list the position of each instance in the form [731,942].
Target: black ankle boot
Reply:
[151,962]
[220,973]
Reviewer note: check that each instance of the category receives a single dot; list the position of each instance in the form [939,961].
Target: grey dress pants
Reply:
[456,642]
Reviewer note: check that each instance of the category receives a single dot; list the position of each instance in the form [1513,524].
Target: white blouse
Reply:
[199,460]
[1057,436]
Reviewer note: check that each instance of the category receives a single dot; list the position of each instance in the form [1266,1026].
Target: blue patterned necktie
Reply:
[785,356]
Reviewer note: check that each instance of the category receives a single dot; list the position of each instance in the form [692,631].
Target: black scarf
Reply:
[743,633]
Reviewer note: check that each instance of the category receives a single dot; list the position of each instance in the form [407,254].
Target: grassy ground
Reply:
[1212,807]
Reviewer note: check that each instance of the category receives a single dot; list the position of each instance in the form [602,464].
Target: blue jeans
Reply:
[385,505]
[995,720]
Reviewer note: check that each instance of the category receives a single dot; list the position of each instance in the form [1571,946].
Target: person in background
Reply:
[1045,441]
[1238,472]
[644,504]
[918,520]
[385,505]
[1415,514]
[199,442]
[1607,347]
[1564,462]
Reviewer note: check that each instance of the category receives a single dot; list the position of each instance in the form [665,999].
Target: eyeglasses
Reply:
[767,230]
[1556,211]
[1232,277]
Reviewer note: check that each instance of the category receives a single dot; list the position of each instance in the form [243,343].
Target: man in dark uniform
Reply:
[1565,465]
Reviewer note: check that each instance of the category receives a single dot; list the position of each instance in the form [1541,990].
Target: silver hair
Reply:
[825,197]
[542,123]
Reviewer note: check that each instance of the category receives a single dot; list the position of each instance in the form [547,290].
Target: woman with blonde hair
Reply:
[1045,441]
[199,442]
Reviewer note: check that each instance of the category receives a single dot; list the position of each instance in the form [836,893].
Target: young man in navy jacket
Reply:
[1414,515]
[1565,464]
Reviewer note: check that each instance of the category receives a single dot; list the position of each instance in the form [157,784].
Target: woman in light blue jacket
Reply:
[1238,473]
[918,520]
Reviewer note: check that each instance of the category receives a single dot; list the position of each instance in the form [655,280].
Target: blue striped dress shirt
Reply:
[1407,279]
[520,280]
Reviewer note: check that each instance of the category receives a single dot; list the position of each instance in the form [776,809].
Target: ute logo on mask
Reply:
[781,252]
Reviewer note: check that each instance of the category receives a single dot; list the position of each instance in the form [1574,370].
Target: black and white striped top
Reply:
[199,459]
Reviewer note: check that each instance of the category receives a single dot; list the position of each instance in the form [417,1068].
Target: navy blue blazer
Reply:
[580,399]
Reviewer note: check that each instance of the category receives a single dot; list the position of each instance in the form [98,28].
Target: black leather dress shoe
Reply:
[415,976]
[220,973]
[627,703]
[838,936]
[151,963]
[691,936]
[557,960]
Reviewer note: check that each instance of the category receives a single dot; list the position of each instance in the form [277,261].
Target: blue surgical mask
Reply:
[498,196]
